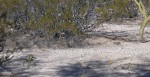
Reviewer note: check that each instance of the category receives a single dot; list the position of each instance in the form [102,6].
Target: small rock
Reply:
[117,43]
[5,73]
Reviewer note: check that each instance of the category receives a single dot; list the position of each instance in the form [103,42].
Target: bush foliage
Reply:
[51,16]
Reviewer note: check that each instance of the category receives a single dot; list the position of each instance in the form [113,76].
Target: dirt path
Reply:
[115,54]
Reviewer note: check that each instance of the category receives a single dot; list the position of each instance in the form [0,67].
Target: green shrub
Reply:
[113,9]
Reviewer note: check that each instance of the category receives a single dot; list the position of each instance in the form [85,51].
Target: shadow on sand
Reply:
[91,69]
[104,69]
[127,36]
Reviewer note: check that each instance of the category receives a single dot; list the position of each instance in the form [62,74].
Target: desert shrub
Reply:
[3,14]
[57,15]
[113,9]
[147,5]
[51,18]
[5,55]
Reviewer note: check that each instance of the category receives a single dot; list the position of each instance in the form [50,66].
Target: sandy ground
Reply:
[113,52]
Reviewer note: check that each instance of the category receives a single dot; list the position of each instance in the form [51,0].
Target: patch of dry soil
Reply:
[113,52]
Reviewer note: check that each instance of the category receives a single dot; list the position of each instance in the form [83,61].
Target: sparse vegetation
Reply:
[113,9]
[29,60]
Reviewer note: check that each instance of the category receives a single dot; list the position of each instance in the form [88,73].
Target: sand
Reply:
[113,52]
